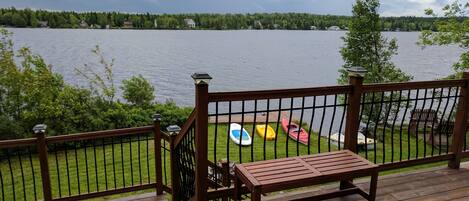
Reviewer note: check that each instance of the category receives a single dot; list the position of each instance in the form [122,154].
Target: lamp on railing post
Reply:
[460,124]
[356,75]
[157,141]
[201,81]
[40,133]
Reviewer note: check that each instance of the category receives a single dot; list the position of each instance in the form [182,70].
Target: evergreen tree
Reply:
[366,47]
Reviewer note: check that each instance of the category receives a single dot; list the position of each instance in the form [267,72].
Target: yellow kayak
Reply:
[260,130]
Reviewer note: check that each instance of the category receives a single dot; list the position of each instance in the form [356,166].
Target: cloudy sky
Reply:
[335,7]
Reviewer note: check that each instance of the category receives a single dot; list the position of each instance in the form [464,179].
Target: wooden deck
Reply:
[432,184]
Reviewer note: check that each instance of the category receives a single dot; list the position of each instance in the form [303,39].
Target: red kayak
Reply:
[295,132]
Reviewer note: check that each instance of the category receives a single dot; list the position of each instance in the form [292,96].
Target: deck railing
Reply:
[407,124]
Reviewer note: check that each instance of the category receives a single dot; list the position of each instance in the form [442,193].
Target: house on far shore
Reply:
[276,26]
[155,24]
[43,24]
[334,28]
[313,28]
[258,25]
[108,26]
[83,24]
[190,23]
[128,24]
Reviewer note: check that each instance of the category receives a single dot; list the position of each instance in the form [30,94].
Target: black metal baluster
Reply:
[122,161]
[105,164]
[22,173]
[228,136]
[68,171]
[456,94]
[288,129]
[241,131]
[443,115]
[388,110]
[76,164]
[332,123]
[58,171]
[253,132]
[266,125]
[300,126]
[402,125]
[87,172]
[32,173]
[148,158]
[343,118]
[11,175]
[278,124]
[367,129]
[95,166]
[114,162]
[433,121]
[311,124]
[215,140]
[164,162]
[131,161]
[418,125]
[394,123]
[426,121]
[322,123]
[139,160]
[408,131]
[376,125]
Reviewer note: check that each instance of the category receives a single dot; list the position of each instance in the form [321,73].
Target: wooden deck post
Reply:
[173,158]
[353,108]
[353,112]
[40,132]
[201,81]
[460,124]
[157,141]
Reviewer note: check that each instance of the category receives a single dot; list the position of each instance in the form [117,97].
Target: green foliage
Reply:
[367,48]
[453,30]
[290,21]
[138,91]
[31,93]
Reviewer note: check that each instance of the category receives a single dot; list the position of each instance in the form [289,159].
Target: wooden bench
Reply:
[295,172]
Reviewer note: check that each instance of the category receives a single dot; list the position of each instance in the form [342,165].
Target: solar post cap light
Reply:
[357,71]
[173,129]
[201,78]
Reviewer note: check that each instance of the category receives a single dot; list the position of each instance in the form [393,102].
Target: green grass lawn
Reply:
[126,169]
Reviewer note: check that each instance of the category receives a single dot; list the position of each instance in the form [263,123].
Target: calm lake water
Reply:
[237,60]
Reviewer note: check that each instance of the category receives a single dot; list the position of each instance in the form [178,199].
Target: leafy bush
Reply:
[31,93]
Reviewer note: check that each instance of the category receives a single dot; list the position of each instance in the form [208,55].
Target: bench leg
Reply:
[373,186]
[256,195]
[237,188]
[345,184]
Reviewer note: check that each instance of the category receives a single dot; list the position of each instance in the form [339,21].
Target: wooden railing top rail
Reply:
[413,85]
[100,134]
[279,93]
[187,125]
[17,143]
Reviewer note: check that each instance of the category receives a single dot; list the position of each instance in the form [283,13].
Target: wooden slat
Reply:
[284,175]
[266,165]
[329,164]
[281,171]
[342,167]
[273,168]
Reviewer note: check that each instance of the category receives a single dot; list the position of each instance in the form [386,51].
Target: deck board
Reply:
[434,184]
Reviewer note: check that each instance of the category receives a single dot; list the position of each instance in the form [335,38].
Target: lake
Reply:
[237,60]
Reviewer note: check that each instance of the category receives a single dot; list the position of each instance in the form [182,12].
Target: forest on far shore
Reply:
[12,17]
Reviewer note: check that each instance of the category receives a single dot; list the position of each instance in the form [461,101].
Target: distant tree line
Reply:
[291,21]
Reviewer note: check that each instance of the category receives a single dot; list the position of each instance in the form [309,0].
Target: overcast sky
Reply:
[334,7]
